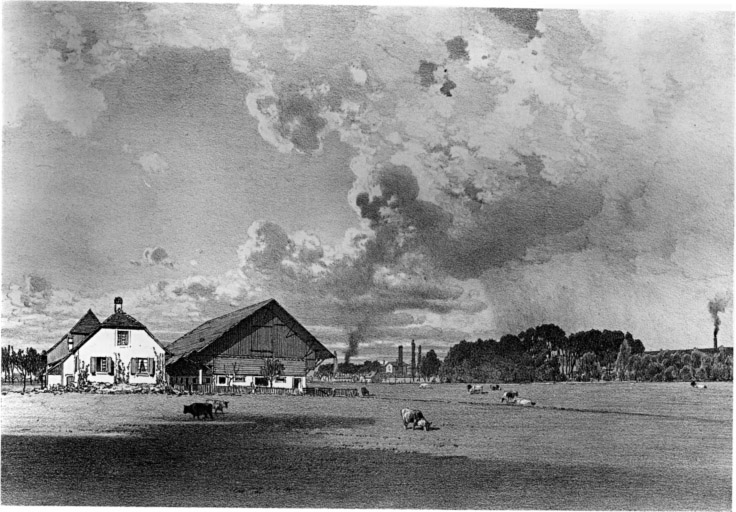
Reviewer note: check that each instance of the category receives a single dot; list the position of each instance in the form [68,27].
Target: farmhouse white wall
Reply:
[104,344]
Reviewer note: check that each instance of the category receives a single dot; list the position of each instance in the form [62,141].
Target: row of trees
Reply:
[25,364]
[542,353]
[671,365]
[546,353]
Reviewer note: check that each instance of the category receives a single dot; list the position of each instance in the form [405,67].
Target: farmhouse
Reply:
[120,349]
[232,350]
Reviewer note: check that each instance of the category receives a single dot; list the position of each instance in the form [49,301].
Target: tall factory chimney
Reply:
[413,358]
[419,362]
[401,359]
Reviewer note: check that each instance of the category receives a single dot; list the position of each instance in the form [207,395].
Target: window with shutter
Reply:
[110,366]
[92,365]
[151,366]
[102,364]
[134,366]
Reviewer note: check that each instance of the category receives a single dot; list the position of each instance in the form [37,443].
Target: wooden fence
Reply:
[276,391]
[211,389]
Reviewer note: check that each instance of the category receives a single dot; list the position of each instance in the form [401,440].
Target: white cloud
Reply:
[153,163]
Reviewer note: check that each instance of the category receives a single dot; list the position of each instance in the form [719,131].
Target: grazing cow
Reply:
[508,396]
[475,390]
[416,417]
[424,385]
[523,402]
[698,386]
[199,409]
[218,405]
[496,387]
[364,392]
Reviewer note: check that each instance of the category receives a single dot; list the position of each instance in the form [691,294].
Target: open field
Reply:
[584,446]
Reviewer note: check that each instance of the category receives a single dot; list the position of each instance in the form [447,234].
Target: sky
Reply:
[385,173]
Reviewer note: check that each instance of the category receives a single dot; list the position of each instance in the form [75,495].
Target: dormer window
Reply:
[123,338]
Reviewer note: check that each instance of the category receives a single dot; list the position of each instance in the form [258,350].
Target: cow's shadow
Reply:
[430,428]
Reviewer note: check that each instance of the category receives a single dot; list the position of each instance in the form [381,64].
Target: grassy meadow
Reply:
[591,446]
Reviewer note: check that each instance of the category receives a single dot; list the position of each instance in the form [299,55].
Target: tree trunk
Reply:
[24,383]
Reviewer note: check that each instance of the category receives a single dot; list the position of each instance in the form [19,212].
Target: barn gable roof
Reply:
[201,337]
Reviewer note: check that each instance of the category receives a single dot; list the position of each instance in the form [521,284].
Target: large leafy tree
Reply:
[429,365]
[622,361]
[30,363]
[589,368]
[8,359]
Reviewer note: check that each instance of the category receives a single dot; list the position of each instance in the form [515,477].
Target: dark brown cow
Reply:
[199,409]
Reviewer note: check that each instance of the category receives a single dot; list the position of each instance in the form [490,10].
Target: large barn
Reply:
[232,350]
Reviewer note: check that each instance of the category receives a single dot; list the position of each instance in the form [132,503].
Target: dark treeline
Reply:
[28,364]
[546,353]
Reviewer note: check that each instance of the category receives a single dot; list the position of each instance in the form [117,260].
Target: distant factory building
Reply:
[232,350]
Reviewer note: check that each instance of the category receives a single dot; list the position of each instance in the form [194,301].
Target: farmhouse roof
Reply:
[87,324]
[122,320]
[210,331]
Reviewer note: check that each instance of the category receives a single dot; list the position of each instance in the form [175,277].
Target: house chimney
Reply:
[118,305]
[401,354]
[413,358]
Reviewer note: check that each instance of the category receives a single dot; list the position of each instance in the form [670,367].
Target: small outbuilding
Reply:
[233,350]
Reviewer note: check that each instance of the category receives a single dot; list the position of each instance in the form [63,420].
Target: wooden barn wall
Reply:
[223,365]
[261,335]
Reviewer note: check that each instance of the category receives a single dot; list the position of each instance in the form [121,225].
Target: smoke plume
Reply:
[715,306]
[355,337]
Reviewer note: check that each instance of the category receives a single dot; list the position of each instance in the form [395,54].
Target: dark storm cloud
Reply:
[153,256]
[272,246]
[458,48]
[37,284]
[447,87]
[523,19]
[299,122]
[154,83]
[426,73]
[497,233]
